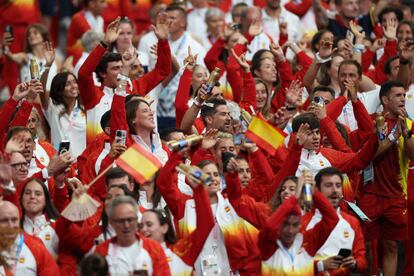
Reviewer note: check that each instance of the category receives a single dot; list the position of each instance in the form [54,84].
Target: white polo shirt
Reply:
[271,25]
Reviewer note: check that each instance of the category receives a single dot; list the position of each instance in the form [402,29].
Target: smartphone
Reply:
[236,27]
[64,146]
[225,158]
[318,100]
[238,139]
[9,29]
[120,137]
[345,252]
[350,36]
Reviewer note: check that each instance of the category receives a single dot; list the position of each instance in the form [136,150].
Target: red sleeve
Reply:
[314,238]
[348,162]
[328,127]
[262,175]
[249,92]
[390,50]
[201,155]
[366,60]
[167,184]
[45,263]
[288,168]
[118,116]
[212,56]
[286,77]
[233,72]
[299,9]
[334,108]
[365,126]
[305,62]
[6,114]
[85,78]
[190,247]
[98,190]
[270,233]
[61,198]
[146,83]
[245,206]
[283,39]
[22,115]
[182,97]
[159,260]
[358,246]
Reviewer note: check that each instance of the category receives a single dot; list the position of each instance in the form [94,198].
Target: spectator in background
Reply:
[215,26]
[89,41]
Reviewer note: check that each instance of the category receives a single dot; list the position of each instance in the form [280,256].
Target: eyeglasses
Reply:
[19,166]
[125,220]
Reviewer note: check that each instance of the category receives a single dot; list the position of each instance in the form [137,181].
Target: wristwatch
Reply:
[391,137]
[322,60]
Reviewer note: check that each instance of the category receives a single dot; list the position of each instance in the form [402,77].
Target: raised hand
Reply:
[302,134]
[49,53]
[210,139]
[7,39]
[59,163]
[112,31]
[390,29]
[35,88]
[129,57]
[281,117]
[162,26]
[294,93]
[116,149]
[241,60]
[277,52]
[378,43]
[232,166]
[227,31]
[283,28]
[77,187]
[255,28]
[154,50]
[21,91]
[319,111]
[15,144]
[359,36]
[406,49]
[325,49]
[190,60]
[351,89]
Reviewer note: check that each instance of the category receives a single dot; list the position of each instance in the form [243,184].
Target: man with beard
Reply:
[27,255]
[346,234]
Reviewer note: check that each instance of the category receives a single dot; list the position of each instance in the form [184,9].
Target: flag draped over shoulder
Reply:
[264,134]
[139,163]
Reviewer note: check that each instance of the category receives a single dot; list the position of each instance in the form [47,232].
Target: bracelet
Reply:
[103,44]
[358,48]
[322,60]
[121,77]
[404,61]
[391,137]
[198,103]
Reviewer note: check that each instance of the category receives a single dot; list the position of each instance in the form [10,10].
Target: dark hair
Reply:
[305,118]
[43,32]
[156,196]
[105,120]
[240,4]
[206,162]
[387,66]
[115,173]
[103,63]
[406,22]
[387,86]
[344,133]
[317,38]
[351,62]
[166,132]
[276,200]
[323,88]
[17,129]
[131,111]
[93,265]
[104,217]
[49,210]
[123,20]
[209,108]
[179,8]
[164,217]
[257,61]
[398,12]
[323,75]
[327,172]
[57,89]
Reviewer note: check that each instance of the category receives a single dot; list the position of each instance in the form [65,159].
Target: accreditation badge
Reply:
[209,265]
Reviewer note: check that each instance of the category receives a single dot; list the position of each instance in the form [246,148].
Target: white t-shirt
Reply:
[125,260]
[271,25]
[196,23]
[145,44]
[71,127]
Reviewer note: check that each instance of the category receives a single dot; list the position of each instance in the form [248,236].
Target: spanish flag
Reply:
[264,134]
[139,163]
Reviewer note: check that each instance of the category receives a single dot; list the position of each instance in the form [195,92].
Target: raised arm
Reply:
[314,238]
[50,57]
[190,247]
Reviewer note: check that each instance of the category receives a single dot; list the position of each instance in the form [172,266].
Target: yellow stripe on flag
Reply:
[264,134]
[139,163]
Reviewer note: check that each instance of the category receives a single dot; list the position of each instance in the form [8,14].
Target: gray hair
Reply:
[213,12]
[234,109]
[121,200]
[90,39]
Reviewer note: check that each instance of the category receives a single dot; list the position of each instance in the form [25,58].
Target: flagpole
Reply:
[100,175]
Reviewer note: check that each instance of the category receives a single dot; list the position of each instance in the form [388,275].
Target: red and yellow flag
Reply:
[264,134]
[139,163]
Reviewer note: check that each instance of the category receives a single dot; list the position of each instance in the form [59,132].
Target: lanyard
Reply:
[180,45]
[18,252]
